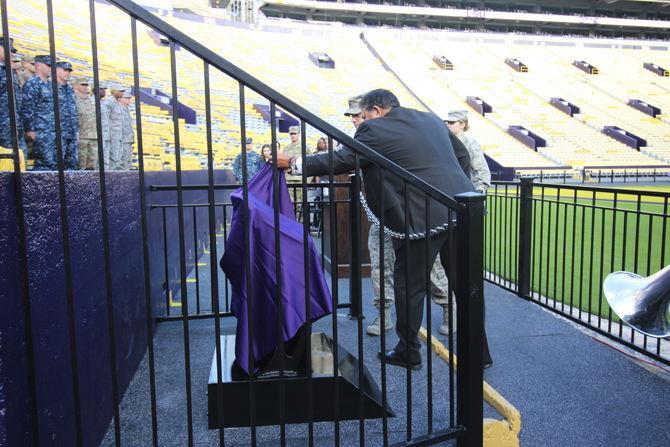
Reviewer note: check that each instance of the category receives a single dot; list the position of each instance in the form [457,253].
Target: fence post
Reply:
[525,236]
[355,287]
[470,293]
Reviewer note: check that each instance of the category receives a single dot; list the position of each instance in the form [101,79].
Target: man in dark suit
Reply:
[420,143]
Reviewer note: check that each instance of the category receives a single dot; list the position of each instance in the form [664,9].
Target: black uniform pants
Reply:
[411,289]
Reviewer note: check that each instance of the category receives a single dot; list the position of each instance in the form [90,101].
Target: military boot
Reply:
[376,327]
[444,327]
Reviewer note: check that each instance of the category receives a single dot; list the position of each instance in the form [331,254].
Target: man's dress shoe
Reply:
[393,358]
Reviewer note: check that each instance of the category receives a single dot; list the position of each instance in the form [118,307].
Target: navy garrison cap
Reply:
[64,65]
[43,59]
[11,44]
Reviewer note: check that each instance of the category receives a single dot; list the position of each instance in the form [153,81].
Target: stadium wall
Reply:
[47,294]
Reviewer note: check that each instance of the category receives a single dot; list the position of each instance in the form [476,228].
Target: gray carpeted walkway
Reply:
[570,389]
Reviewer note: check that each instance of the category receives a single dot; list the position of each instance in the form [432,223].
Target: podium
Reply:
[235,405]
[342,231]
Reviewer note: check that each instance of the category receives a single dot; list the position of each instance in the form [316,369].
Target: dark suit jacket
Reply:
[416,141]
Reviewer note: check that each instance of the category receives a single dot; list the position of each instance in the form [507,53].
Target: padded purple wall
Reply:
[48,297]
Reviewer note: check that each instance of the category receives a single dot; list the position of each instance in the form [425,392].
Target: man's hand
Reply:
[31,136]
[283,161]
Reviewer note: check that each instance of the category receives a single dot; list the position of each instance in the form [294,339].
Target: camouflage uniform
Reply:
[23,76]
[23,73]
[294,150]
[480,175]
[69,125]
[375,263]
[88,133]
[106,136]
[254,164]
[5,127]
[438,277]
[127,140]
[37,114]
[114,138]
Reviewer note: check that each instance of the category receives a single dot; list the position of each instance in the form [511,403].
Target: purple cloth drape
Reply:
[263,269]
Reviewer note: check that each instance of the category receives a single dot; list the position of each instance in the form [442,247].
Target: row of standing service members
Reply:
[35,118]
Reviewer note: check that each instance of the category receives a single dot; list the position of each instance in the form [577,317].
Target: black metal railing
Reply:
[191,209]
[554,244]
[594,174]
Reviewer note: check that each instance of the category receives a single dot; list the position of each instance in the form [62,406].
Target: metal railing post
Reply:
[355,287]
[525,236]
[470,297]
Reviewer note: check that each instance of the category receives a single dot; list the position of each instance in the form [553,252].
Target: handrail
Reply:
[269,93]
[619,191]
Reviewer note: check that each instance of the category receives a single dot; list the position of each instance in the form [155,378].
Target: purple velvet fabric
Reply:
[263,294]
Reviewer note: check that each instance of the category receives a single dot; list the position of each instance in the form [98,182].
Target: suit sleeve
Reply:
[461,153]
[344,159]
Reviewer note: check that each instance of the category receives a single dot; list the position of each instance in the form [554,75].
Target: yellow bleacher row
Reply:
[7,164]
[424,78]
[280,59]
[282,63]
[523,99]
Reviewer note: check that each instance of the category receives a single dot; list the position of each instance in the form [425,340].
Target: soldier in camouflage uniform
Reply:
[480,175]
[112,128]
[5,127]
[26,71]
[128,134]
[294,149]
[69,119]
[88,132]
[37,114]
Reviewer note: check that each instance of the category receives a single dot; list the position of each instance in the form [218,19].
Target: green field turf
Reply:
[576,243]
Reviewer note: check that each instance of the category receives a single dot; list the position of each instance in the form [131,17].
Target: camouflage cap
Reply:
[354,105]
[43,59]
[17,57]
[457,115]
[28,59]
[65,65]
[117,88]
[81,81]
[293,129]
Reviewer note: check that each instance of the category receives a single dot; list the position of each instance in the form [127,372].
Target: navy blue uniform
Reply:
[254,164]
[37,114]
[5,122]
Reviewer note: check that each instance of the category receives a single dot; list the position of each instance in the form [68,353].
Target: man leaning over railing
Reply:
[416,141]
